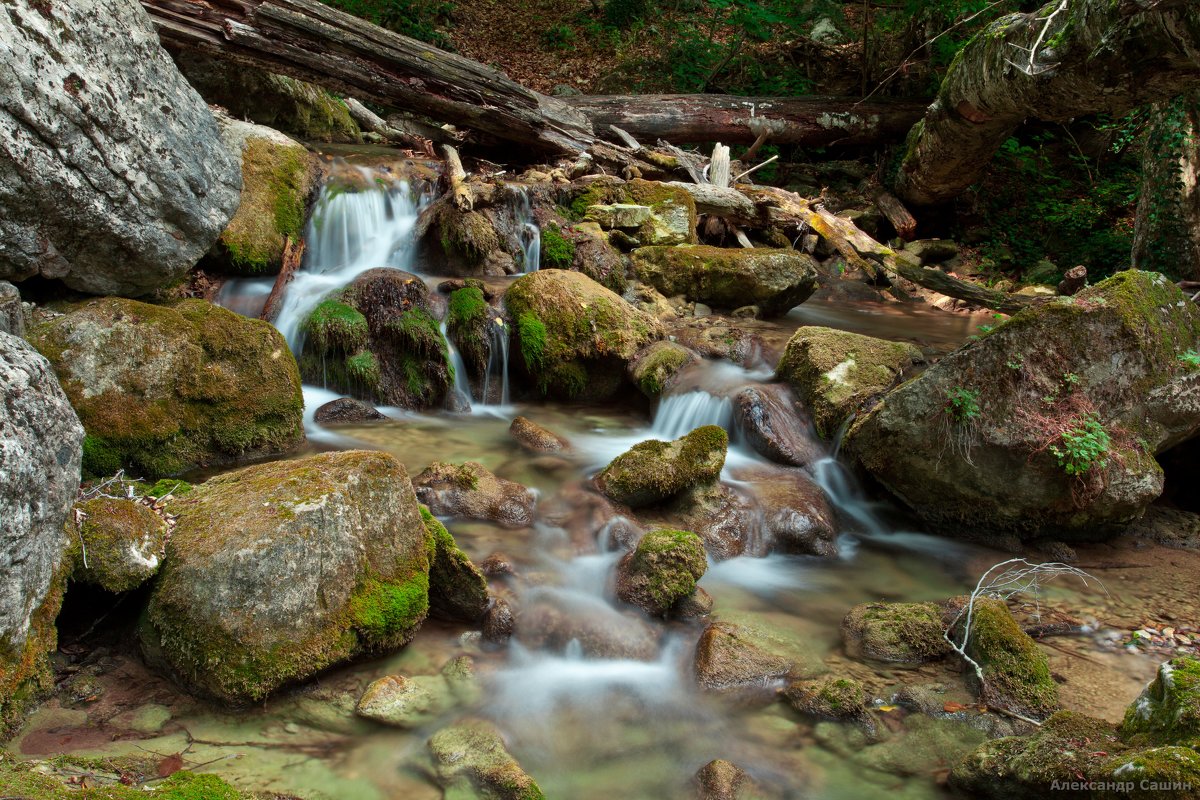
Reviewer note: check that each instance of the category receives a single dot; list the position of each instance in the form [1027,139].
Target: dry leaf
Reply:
[170,765]
[953,708]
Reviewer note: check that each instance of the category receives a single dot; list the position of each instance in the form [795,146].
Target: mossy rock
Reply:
[838,372]
[471,761]
[477,330]
[48,780]
[661,571]
[774,280]
[471,491]
[457,589]
[1154,772]
[970,444]
[1168,710]
[118,544]
[652,369]
[653,471]
[672,218]
[901,632]
[279,176]
[25,673]
[576,337]
[164,389]
[243,605]
[1016,674]
[465,241]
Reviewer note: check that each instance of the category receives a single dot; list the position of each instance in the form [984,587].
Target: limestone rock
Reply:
[618,215]
[122,543]
[653,471]
[12,312]
[471,491]
[901,632]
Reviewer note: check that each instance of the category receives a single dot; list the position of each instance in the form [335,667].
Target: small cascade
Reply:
[495,379]
[462,386]
[681,414]
[530,233]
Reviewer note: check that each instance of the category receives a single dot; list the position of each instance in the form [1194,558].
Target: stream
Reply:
[583,724]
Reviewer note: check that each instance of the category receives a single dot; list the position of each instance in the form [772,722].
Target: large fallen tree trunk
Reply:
[311,41]
[811,121]
[1070,58]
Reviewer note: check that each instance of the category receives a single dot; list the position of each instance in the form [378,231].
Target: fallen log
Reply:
[894,211]
[811,121]
[293,255]
[313,42]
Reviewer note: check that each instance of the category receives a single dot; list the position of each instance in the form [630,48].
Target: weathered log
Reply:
[456,176]
[1167,228]
[1070,58]
[812,121]
[293,255]
[894,211]
[313,42]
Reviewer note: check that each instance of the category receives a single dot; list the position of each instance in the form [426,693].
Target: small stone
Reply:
[346,410]
[535,438]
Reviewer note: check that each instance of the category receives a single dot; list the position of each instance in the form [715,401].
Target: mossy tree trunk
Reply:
[1068,59]
[1167,232]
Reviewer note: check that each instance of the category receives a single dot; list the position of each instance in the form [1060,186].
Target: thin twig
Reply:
[747,172]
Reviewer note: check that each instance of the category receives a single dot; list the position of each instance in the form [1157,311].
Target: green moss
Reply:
[172,486]
[902,632]
[1156,772]
[470,236]
[457,589]
[117,536]
[1016,673]
[663,570]
[830,698]
[653,471]
[658,365]
[419,333]
[276,181]
[532,335]
[100,459]
[387,612]
[558,252]
[1168,710]
[468,307]
[335,326]
[363,370]
[20,779]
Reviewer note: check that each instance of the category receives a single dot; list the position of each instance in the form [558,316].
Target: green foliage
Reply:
[559,37]
[419,19]
[1191,358]
[334,325]
[962,404]
[532,334]
[1168,139]
[624,14]
[1083,447]
[558,252]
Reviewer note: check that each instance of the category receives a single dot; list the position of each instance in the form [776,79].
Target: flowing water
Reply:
[622,719]
[530,233]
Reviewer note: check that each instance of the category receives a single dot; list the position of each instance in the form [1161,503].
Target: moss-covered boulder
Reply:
[596,257]
[471,491]
[838,372]
[466,243]
[119,544]
[672,211]
[1016,674]
[773,280]
[163,389]
[829,698]
[661,571]
[902,632]
[1168,710]
[653,471]
[1048,424]
[724,518]
[117,778]
[575,338]
[279,175]
[457,589]
[653,368]
[471,761]
[379,340]
[244,605]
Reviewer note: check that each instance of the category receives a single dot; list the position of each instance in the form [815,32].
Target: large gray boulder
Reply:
[112,177]
[41,444]
[1049,424]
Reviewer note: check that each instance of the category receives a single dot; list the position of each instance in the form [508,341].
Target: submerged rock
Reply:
[841,699]
[653,471]
[114,179]
[774,280]
[457,589]
[795,513]
[413,702]
[535,438]
[771,421]
[1048,425]
[737,657]
[654,367]
[471,491]
[164,389]
[838,372]
[902,632]
[39,461]
[472,761]
[242,606]
[661,571]
[560,622]
[346,410]
[575,337]
[122,543]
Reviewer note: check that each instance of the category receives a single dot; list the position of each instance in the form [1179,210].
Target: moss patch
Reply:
[122,543]
[653,471]
[558,252]
[457,589]
[25,779]
[657,365]
[1168,710]
[901,632]
[1016,673]
[333,325]
[662,570]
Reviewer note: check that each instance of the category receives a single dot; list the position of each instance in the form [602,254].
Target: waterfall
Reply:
[530,233]
[497,365]
[462,387]
[681,414]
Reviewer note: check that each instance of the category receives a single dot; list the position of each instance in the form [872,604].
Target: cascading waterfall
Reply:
[497,365]
[530,233]
[462,386]
[681,414]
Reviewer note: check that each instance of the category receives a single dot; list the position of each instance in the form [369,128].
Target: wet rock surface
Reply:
[471,491]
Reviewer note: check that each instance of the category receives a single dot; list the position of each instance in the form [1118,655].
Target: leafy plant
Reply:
[419,19]
[1191,358]
[1083,447]
[962,404]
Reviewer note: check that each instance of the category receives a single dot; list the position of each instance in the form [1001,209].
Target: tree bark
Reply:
[810,121]
[1166,234]
[1068,59]
[322,45]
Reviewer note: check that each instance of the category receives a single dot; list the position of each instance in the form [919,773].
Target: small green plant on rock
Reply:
[962,404]
[1190,358]
[1083,447]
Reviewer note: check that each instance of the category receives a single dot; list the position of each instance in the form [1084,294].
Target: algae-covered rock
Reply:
[902,632]
[576,337]
[457,589]
[652,369]
[122,543]
[1047,425]
[653,471]
[1168,710]
[278,177]
[535,438]
[737,657]
[773,280]
[773,423]
[40,451]
[829,698]
[163,389]
[472,762]
[379,340]
[471,491]
[661,571]
[277,571]
[466,242]
[1016,674]
[672,217]
[837,372]
[405,702]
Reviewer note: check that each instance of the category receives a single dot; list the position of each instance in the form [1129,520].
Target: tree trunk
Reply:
[810,121]
[1167,231]
[316,43]
[1070,58]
